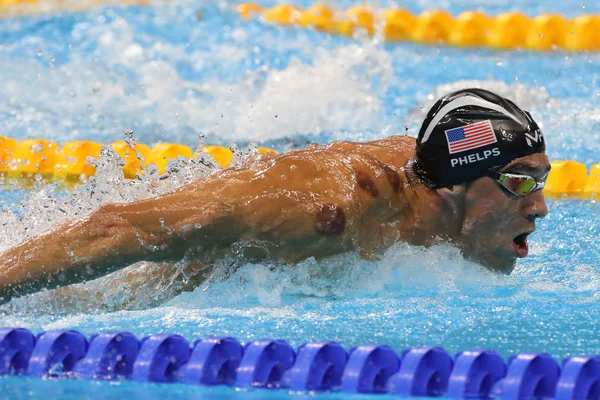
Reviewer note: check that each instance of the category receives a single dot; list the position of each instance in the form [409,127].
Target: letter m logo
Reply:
[535,137]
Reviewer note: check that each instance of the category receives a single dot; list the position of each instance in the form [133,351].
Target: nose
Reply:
[535,206]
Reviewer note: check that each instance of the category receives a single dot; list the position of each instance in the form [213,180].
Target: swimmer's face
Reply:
[496,223]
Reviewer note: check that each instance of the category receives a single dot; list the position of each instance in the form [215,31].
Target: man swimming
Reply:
[472,178]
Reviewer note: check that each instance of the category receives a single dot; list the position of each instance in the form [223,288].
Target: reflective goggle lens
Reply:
[519,184]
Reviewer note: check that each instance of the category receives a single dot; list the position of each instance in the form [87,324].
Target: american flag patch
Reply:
[470,137]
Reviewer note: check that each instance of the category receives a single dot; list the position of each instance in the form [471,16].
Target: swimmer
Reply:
[471,178]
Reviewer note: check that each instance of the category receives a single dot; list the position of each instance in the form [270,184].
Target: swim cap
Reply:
[470,132]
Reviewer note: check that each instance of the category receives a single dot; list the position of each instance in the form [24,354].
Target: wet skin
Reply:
[494,217]
[317,201]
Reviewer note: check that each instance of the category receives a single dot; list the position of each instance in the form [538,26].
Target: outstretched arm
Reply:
[298,204]
[138,286]
[267,202]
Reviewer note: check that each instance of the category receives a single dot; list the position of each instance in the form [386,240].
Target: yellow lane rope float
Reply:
[12,8]
[30,157]
[510,30]
[8,3]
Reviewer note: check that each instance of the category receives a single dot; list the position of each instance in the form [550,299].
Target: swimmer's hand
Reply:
[312,202]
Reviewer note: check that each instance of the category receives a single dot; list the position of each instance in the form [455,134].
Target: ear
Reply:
[453,197]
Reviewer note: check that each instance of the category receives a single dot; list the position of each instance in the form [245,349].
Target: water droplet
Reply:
[56,369]
[129,136]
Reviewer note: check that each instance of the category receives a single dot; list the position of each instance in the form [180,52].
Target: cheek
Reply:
[485,227]
[487,213]
[481,225]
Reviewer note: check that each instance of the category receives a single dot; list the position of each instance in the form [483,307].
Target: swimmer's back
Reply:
[324,199]
[394,151]
[312,202]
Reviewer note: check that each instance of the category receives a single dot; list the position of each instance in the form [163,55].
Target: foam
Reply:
[235,285]
[134,84]
[523,95]
[334,93]
[49,206]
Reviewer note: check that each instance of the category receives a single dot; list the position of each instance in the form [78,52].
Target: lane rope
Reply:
[30,157]
[509,30]
[312,367]
[23,160]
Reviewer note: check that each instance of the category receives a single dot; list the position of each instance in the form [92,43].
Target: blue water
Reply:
[169,72]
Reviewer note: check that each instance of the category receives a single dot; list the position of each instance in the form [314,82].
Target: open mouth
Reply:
[520,245]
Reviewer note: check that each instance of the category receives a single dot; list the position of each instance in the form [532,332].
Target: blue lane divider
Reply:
[529,376]
[424,373]
[111,355]
[160,358]
[264,363]
[214,361]
[475,373]
[320,366]
[56,352]
[369,369]
[16,346]
[580,379]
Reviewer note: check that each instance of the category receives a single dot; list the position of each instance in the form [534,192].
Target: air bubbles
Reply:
[129,139]
[36,148]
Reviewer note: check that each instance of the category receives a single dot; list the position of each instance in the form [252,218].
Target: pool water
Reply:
[170,72]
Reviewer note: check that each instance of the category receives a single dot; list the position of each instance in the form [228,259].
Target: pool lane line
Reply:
[508,30]
[24,161]
[324,366]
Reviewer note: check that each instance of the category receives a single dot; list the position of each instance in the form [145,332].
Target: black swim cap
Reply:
[470,132]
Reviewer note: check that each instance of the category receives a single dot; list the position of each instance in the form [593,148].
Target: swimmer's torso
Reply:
[313,202]
[320,201]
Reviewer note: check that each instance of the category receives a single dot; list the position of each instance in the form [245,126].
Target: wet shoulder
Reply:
[395,151]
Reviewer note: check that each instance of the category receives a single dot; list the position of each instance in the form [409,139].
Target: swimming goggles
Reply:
[520,185]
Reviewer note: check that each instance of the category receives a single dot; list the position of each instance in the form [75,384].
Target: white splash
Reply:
[335,92]
[127,83]
[525,96]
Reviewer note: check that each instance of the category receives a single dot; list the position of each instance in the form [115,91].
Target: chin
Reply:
[503,266]
[495,263]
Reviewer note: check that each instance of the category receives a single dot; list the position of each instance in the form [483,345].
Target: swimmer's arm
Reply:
[111,238]
[274,205]
[140,285]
